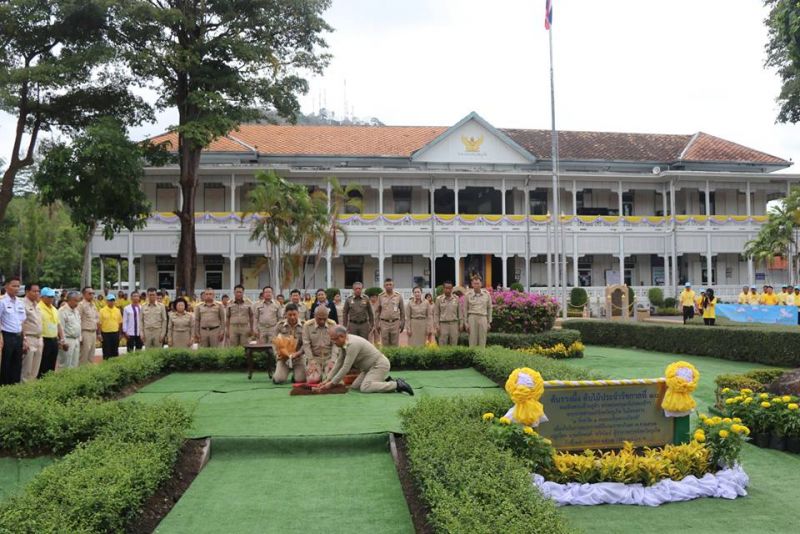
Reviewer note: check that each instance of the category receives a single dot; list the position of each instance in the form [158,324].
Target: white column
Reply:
[503,201]
[664,208]
[457,260]
[380,195]
[708,200]
[119,271]
[232,260]
[89,271]
[102,273]
[622,259]
[233,195]
[131,266]
[180,197]
[433,241]
[575,281]
[619,199]
[329,254]
[666,271]
[381,276]
[751,273]
[574,200]
[549,260]
[710,278]
[674,270]
[141,274]
[505,270]
[455,193]
[747,200]
[527,194]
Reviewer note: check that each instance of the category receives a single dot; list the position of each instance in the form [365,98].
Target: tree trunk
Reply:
[86,257]
[187,249]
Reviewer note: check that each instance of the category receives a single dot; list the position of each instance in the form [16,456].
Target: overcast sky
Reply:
[637,66]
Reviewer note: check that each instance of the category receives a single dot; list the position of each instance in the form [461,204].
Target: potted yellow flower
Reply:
[791,427]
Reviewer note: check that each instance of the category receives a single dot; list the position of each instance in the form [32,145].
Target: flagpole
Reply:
[558,245]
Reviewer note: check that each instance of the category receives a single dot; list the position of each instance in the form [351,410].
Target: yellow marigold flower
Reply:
[737,420]
[747,391]
[764,396]
[786,398]
[777,400]
[699,436]
[727,420]
[716,420]
[488,416]
[726,390]
[746,430]
[765,404]
[748,400]
[723,434]
[792,406]
[505,421]
[528,430]
[737,428]
[730,401]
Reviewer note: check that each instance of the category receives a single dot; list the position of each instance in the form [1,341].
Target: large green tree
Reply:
[98,176]
[778,236]
[219,63]
[55,75]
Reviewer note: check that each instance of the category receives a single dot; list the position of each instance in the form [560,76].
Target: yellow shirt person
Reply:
[110,319]
[744,296]
[753,297]
[687,297]
[769,299]
[709,310]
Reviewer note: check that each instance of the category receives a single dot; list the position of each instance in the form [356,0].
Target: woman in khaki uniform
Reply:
[419,319]
[181,326]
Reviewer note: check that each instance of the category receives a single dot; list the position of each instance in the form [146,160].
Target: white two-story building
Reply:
[440,203]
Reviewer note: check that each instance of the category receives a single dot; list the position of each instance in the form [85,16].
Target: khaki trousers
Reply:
[390,333]
[478,326]
[374,380]
[283,367]
[210,338]
[32,359]
[359,329]
[181,338]
[240,335]
[266,333]
[448,333]
[67,359]
[152,338]
[419,333]
[88,344]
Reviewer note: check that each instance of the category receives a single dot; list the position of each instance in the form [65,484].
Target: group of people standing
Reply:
[705,301]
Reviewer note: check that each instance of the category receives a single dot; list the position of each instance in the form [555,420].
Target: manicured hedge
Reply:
[768,347]
[549,338]
[469,484]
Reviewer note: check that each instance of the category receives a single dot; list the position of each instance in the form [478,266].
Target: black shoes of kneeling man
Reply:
[403,387]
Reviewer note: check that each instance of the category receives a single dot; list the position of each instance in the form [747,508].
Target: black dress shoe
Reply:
[389,378]
[403,387]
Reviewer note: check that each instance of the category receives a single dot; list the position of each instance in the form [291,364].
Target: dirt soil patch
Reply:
[419,511]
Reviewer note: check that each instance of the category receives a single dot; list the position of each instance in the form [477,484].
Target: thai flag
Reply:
[548,14]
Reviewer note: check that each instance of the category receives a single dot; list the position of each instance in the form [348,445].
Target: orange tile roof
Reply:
[403,141]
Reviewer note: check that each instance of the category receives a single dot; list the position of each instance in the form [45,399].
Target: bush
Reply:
[631,299]
[516,286]
[372,291]
[469,484]
[670,302]
[668,312]
[756,379]
[656,296]
[767,347]
[578,297]
[516,312]
[548,339]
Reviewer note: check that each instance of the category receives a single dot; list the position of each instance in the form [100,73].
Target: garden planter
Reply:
[761,440]
[349,378]
[793,444]
[777,442]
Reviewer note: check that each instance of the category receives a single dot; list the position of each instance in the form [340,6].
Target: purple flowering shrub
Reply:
[517,312]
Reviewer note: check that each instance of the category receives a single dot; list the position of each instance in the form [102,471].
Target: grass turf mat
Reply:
[345,484]
[16,472]
[227,404]
[773,474]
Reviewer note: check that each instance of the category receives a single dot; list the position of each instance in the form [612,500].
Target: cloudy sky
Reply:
[655,66]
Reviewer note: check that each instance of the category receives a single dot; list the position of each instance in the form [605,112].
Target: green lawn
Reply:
[774,476]
[16,472]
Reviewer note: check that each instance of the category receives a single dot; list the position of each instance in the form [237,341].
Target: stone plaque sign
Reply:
[603,415]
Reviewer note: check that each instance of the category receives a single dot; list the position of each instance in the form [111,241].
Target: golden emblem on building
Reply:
[472,144]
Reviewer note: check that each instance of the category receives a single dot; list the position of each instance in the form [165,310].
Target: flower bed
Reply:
[558,351]
[518,312]
[773,419]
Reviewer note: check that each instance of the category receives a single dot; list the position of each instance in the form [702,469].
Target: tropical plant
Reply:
[516,312]
[578,298]
[778,236]
[220,64]
[656,296]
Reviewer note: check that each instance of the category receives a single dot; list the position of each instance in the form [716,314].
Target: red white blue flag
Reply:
[548,14]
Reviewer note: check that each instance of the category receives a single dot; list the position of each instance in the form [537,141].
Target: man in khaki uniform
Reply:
[357,314]
[267,315]
[32,330]
[291,326]
[317,344]
[90,326]
[302,310]
[240,319]
[210,321]
[355,352]
[447,316]
[154,319]
[478,304]
[391,315]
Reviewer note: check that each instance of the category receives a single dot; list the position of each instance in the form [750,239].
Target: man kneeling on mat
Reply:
[356,352]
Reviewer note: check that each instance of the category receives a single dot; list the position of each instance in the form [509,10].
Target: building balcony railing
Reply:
[372,220]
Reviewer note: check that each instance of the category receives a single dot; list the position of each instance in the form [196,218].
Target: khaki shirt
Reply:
[71,321]
[316,340]
[357,310]
[268,314]
[357,353]
[181,322]
[208,317]
[447,310]
[89,315]
[33,319]
[418,310]
[480,304]
[154,316]
[390,307]
[240,314]
[296,331]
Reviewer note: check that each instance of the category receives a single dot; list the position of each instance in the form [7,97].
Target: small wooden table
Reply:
[250,349]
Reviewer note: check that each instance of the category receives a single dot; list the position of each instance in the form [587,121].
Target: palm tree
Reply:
[778,236]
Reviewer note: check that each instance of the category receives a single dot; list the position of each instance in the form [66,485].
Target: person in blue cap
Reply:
[753,297]
[51,331]
[687,301]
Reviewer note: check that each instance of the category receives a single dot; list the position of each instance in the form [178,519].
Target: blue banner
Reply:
[745,313]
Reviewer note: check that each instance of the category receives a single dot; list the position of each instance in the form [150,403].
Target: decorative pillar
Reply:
[527,234]
[708,200]
[381,276]
[131,266]
[232,260]
[622,259]
[433,241]
[455,193]
[674,269]
[380,195]
[666,270]
[574,199]
[619,199]
[457,259]
[102,273]
[747,200]
[575,281]
[548,261]
[233,195]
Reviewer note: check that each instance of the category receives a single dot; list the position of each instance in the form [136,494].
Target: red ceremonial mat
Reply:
[304,388]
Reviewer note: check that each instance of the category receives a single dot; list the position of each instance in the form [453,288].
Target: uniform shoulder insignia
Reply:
[308,321]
